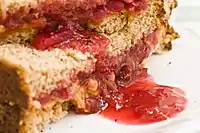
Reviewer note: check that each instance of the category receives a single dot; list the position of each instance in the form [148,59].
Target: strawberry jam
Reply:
[61,93]
[61,11]
[144,102]
[71,36]
[58,11]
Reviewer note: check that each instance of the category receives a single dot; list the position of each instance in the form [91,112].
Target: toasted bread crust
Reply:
[17,120]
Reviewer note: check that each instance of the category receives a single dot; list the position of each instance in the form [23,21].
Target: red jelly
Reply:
[61,93]
[136,5]
[60,13]
[71,36]
[115,5]
[144,102]
[112,6]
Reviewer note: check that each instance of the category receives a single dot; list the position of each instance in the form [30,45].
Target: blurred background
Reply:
[189,10]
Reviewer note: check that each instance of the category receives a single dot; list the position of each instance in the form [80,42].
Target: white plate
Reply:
[183,72]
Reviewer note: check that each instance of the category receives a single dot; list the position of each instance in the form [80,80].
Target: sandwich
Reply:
[61,55]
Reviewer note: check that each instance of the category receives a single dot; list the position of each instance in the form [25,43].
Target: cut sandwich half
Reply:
[60,55]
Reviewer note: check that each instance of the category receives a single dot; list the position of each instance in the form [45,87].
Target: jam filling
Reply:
[73,36]
[95,14]
[61,11]
[59,93]
[125,88]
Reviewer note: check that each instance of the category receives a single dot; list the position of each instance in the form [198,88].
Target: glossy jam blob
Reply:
[144,102]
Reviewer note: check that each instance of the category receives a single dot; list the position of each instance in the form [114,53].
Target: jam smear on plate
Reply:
[144,102]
